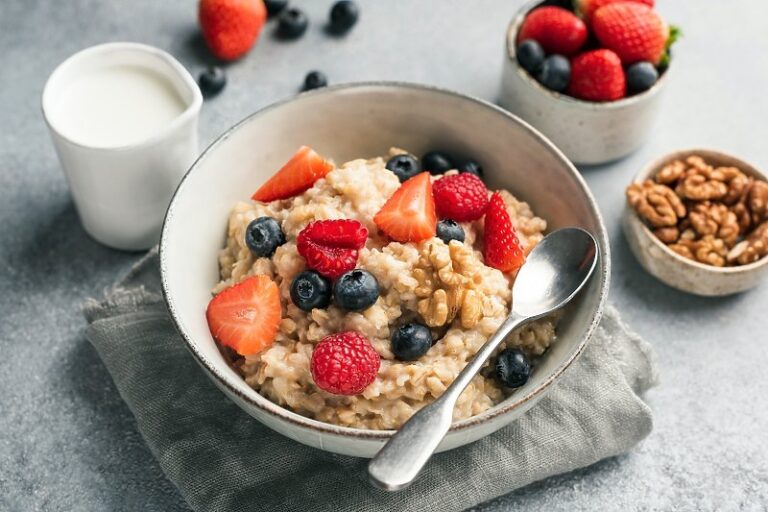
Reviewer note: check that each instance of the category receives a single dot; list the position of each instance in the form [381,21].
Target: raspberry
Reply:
[344,363]
[501,246]
[460,197]
[331,247]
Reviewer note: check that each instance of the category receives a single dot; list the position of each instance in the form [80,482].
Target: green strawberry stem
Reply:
[675,33]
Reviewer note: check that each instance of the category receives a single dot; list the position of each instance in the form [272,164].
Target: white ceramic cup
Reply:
[122,191]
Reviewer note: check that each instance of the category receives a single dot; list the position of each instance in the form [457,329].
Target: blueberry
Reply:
[275,6]
[263,236]
[641,76]
[344,15]
[471,167]
[212,81]
[448,230]
[310,290]
[512,368]
[436,162]
[404,166]
[356,290]
[292,23]
[411,341]
[530,55]
[315,80]
[555,73]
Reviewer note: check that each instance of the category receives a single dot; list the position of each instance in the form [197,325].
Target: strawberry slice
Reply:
[246,316]
[501,246]
[301,172]
[409,215]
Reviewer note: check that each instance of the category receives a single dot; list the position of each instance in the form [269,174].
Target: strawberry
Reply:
[634,31]
[230,27]
[460,197]
[556,29]
[597,76]
[331,247]
[409,215]
[301,172]
[344,363]
[586,8]
[246,316]
[501,247]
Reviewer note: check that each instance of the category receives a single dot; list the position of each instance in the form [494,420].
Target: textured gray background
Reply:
[67,442]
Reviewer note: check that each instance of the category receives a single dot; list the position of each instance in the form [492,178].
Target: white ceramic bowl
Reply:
[671,268]
[346,122]
[587,132]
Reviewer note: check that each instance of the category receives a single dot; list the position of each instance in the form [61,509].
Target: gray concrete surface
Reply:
[67,442]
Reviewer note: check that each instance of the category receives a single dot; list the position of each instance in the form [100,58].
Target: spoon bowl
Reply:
[555,271]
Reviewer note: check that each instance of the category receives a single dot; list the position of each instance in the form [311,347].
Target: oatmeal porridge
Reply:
[344,255]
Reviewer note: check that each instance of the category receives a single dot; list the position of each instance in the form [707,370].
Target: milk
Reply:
[117,105]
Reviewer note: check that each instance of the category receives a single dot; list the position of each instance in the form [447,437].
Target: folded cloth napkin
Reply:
[223,460]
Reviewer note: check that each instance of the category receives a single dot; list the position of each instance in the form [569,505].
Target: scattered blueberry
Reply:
[448,230]
[513,368]
[315,80]
[212,81]
[641,76]
[292,23]
[471,167]
[436,162]
[404,166]
[555,73]
[263,236]
[275,6]
[530,55]
[310,290]
[411,341]
[356,290]
[344,15]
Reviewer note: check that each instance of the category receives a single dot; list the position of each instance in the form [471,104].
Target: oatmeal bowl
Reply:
[333,261]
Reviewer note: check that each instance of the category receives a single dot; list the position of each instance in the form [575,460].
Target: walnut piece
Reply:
[701,182]
[715,219]
[758,201]
[738,184]
[447,276]
[754,247]
[657,204]
[667,235]
[671,172]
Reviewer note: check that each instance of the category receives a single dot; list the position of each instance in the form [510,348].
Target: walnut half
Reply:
[657,204]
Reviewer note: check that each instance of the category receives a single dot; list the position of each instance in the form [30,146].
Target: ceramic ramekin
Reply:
[587,132]
[675,270]
[121,192]
[363,120]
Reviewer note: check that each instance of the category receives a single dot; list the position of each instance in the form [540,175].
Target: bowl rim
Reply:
[511,54]
[267,406]
[652,167]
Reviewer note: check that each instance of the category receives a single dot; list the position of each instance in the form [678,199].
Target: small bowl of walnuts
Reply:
[698,221]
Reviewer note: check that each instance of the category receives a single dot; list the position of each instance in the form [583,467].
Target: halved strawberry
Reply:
[301,172]
[246,316]
[501,247]
[409,215]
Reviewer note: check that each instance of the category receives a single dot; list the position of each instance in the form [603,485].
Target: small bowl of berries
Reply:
[588,73]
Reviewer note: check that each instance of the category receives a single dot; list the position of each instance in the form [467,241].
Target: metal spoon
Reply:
[555,271]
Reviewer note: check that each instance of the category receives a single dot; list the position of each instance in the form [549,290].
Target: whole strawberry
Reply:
[633,30]
[556,29]
[597,76]
[344,363]
[586,8]
[230,27]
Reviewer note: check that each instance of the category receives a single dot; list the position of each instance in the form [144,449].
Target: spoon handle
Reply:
[401,459]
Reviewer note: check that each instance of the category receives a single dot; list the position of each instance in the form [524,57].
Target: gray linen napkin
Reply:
[223,460]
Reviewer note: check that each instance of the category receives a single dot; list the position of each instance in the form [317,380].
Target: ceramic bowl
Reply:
[675,270]
[587,132]
[346,122]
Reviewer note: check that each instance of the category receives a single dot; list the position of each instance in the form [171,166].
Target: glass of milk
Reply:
[123,118]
